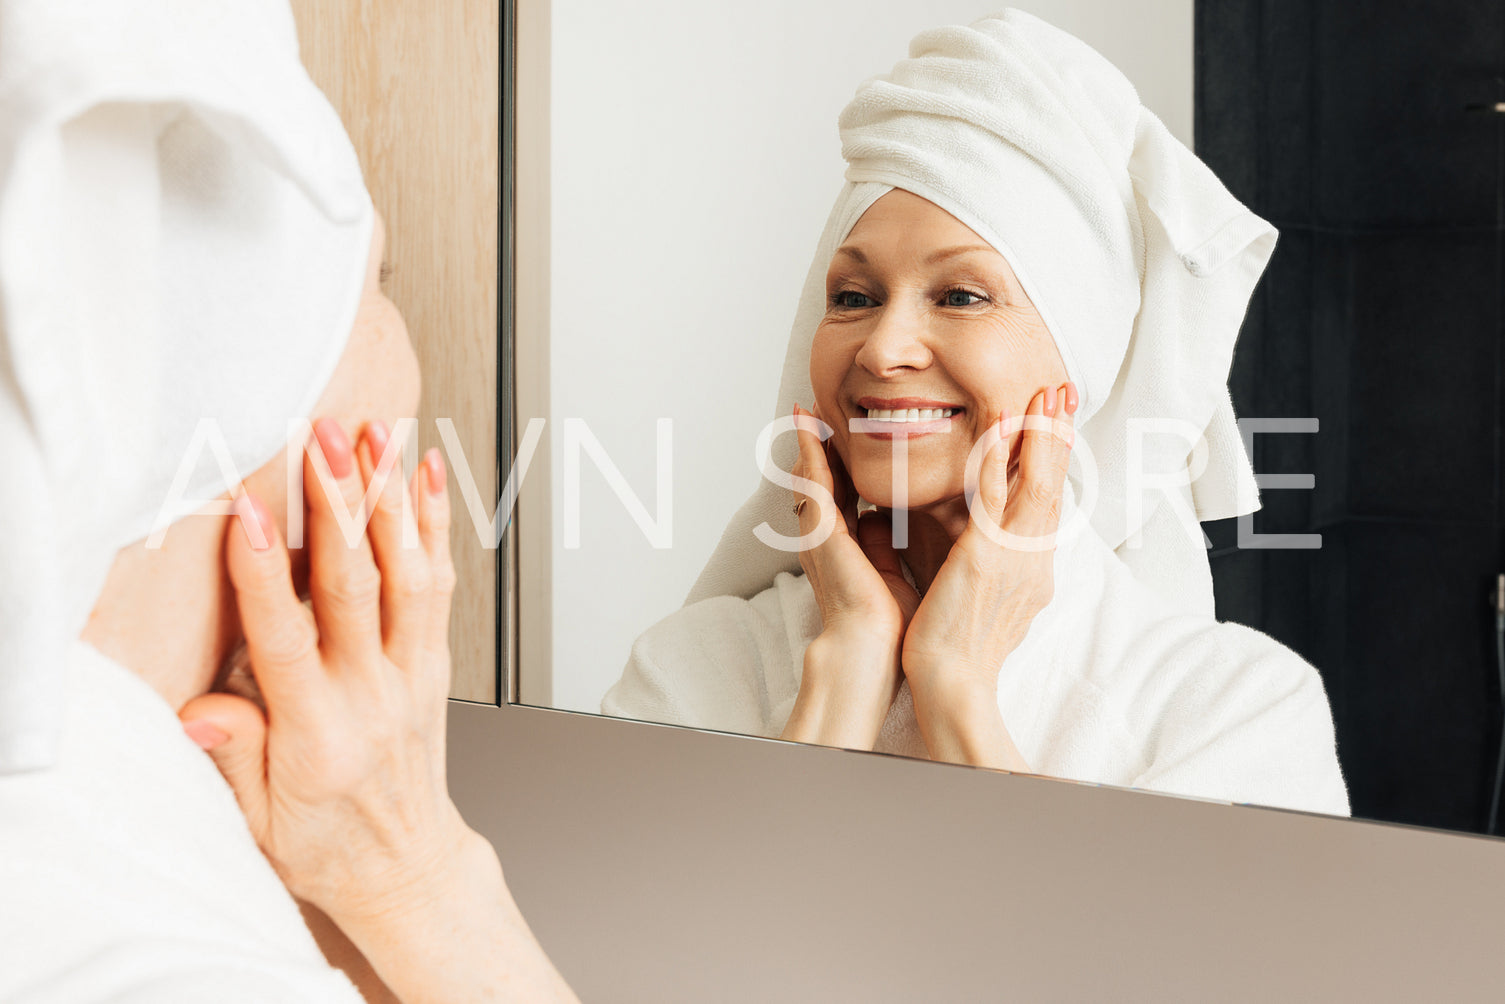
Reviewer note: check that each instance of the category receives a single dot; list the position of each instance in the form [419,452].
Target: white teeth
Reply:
[909,415]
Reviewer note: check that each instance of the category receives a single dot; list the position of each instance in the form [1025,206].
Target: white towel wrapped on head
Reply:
[1138,259]
[183,236]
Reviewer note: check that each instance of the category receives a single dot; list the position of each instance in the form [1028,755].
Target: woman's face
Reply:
[377,378]
[922,314]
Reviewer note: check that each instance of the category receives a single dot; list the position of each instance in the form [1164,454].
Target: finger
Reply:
[814,484]
[1044,453]
[282,646]
[875,535]
[342,578]
[402,562]
[842,490]
[233,732]
[1073,398]
[832,461]
[430,494]
[993,478]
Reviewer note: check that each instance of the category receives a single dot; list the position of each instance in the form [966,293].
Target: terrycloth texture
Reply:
[128,871]
[1138,259]
[183,236]
[1117,687]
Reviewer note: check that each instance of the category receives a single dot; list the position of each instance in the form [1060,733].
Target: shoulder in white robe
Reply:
[127,872]
[1112,684]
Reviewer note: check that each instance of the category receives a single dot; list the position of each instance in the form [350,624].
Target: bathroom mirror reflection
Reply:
[694,161]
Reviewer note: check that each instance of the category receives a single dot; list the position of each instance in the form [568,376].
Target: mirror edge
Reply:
[525,344]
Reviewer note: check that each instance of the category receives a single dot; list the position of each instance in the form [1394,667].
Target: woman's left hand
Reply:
[341,776]
[989,589]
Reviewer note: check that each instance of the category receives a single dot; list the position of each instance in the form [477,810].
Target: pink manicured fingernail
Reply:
[1072,399]
[433,465]
[336,447]
[377,437]
[253,514]
[1050,400]
[206,734]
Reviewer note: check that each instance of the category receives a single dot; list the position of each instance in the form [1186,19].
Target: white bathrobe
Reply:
[127,872]
[1113,684]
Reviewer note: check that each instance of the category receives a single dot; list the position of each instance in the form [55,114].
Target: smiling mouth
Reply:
[899,416]
[898,420]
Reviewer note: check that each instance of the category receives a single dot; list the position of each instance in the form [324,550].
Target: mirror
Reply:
[695,159]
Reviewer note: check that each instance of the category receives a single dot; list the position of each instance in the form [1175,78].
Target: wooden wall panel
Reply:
[416,82]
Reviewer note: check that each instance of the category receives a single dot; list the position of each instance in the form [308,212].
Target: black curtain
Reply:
[1348,126]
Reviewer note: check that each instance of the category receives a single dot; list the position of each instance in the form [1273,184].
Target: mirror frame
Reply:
[653,861]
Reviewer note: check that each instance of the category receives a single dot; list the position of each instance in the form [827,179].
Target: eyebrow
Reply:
[856,253]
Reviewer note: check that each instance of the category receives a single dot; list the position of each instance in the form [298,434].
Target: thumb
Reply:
[233,731]
[995,478]
[992,477]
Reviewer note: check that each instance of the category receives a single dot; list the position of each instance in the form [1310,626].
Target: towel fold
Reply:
[183,237]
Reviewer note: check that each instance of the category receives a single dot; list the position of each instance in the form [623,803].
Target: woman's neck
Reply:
[934,528]
[168,614]
[932,531]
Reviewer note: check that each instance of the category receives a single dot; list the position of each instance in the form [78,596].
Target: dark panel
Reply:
[1416,742]
[1237,581]
[1328,645]
[1288,600]
[1226,69]
[1423,373]
[1286,85]
[1497,274]
[1332,355]
[1394,144]
[1223,534]
[1385,327]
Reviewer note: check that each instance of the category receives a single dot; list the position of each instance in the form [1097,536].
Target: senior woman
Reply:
[188,261]
[1013,345]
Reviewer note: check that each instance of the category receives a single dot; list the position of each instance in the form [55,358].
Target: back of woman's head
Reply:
[184,235]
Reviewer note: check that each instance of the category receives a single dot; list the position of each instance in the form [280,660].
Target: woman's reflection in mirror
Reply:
[1023,266]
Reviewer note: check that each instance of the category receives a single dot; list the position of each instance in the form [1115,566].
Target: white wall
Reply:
[695,157]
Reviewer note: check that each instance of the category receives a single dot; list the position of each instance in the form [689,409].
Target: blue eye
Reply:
[850,299]
[959,298]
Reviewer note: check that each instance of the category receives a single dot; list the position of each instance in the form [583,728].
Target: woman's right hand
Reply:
[852,668]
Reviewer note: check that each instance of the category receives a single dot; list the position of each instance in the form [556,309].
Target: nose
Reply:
[896,342]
